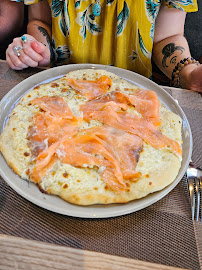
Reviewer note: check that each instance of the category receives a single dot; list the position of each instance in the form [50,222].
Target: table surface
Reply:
[161,236]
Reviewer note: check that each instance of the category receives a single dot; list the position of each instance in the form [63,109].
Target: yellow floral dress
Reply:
[122,35]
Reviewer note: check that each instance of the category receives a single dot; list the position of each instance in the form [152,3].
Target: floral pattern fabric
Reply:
[122,35]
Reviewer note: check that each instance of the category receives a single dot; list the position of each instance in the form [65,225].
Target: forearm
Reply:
[169,52]
[39,26]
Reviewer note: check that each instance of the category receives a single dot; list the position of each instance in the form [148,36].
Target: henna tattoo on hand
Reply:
[168,51]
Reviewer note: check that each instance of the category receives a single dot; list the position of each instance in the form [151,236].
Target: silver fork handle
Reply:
[192,197]
[197,183]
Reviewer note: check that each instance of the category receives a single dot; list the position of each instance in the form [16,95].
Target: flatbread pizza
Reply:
[91,137]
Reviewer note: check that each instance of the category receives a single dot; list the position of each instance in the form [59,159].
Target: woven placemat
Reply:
[162,233]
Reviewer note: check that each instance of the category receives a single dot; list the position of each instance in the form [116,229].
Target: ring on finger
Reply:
[17,50]
[25,39]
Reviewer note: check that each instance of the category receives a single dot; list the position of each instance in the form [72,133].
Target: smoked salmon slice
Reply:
[91,89]
[44,161]
[124,146]
[145,102]
[56,106]
[100,147]
[143,127]
[55,121]
[48,129]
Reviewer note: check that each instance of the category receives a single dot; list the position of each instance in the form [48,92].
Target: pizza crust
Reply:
[84,186]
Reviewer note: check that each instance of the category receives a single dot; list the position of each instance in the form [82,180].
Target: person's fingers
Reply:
[21,59]
[31,53]
[43,51]
[28,60]
[14,58]
[29,56]
[195,79]
[12,65]
[26,52]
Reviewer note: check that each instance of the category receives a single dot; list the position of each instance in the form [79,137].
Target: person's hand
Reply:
[191,78]
[20,55]
[196,79]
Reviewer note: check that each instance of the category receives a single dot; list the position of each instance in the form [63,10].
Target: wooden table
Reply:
[161,236]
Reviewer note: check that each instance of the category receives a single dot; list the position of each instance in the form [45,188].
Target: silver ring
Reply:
[17,50]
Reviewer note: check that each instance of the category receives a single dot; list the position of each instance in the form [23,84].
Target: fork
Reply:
[194,178]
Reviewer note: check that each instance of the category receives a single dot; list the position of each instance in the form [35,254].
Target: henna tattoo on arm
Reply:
[53,53]
[173,60]
[168,51]
[45,34]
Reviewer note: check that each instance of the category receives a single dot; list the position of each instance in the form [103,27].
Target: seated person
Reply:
[123,33]
[11,23]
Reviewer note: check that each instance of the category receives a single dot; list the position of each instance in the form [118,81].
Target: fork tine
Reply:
[197,198]
[192,196]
